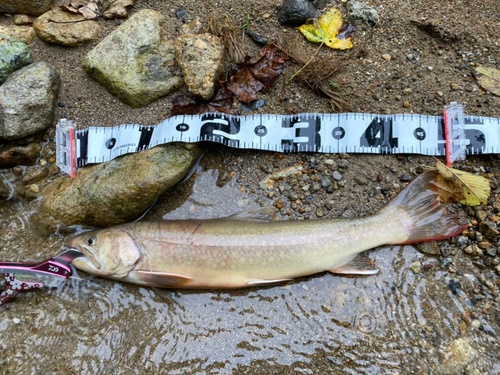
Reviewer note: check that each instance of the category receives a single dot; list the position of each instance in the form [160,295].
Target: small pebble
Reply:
[416,266]
[405,178]
[406,104]
[343,163]
[325,182]
[337,176]
[386,57]
[430,68]
[360,180]
[16,320]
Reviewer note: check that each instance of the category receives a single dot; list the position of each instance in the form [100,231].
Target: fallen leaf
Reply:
[260,76]
[91,9]
[222,101]
[475,189]
[330,29]
[118,8]
[449,192]
[488,78]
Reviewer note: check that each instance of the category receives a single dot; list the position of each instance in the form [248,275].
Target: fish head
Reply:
[111,252]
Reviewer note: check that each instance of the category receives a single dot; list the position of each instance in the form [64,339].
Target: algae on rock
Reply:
[135,62]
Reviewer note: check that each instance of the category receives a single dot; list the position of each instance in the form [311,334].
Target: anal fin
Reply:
[256,282]
[359,265]
[163,279]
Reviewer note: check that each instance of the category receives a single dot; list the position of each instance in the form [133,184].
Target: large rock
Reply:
[456,356]
[24,34]
[13,56]
[200,57]
[71,33]
[12,156]
[134,62]
[297,12]
[31,7]
[115,192]
[28,100]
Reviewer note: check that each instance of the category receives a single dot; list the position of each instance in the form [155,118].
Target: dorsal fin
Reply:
[359,265]
[265,214]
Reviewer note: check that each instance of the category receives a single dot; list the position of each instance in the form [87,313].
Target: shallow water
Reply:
[396,322]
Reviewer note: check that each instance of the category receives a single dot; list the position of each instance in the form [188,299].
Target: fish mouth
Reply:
[87,258]
[85,264]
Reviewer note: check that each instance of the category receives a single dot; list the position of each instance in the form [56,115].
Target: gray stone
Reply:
[462,241]
[13,56]
[297,12]
[71,33]
[9,34]
[343,163]
[12,156]
[200,57]
[337,176]
[134,62]
[115,192]
[325,182]
[357,12]
[30,7]
[5,188]
[28,100]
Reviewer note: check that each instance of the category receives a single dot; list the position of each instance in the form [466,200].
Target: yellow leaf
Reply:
[329,29]
[488,78]
[476,189]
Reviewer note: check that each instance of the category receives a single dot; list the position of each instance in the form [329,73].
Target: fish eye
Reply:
[90,241]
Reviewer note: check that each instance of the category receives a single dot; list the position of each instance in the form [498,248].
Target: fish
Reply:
[251,249]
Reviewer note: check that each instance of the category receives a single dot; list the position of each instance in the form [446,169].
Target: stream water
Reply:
[396,322]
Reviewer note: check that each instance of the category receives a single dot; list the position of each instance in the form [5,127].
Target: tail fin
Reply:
[425,218]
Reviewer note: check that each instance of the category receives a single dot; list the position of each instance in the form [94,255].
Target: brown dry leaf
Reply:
[221,102]
[449,192]
[259,76]
[91,9]
[475,189]
[118,8]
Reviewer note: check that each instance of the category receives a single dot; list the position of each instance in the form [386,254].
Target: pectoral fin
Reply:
[255,282]
[163,279]
[359,265]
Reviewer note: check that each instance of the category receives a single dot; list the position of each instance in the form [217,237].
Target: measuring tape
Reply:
[452,135]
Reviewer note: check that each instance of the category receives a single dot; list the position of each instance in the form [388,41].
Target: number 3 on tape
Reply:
[452,135]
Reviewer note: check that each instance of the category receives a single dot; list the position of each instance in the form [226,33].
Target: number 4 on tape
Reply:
[77,148]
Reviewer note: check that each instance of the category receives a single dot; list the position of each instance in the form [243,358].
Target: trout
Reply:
[251,249]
